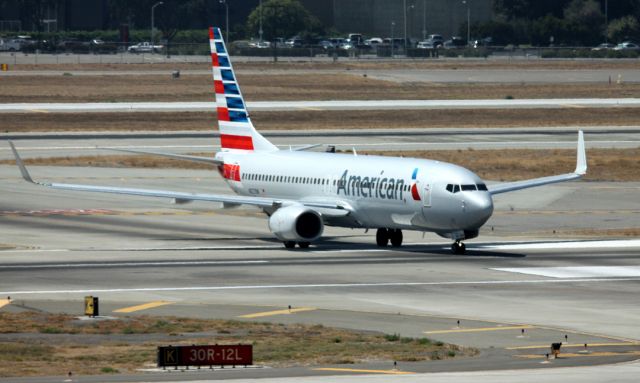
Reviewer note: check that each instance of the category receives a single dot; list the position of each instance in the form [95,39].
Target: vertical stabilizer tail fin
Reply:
[236,130]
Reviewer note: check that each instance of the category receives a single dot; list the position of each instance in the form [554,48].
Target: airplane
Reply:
[301,191]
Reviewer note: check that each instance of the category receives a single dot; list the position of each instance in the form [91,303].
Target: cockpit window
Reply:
[482,187]
[469,187]
[450,188]
[456,188]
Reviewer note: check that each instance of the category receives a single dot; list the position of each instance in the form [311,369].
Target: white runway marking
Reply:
[191,248]
[561,245]
[324,105]
[129,264]
[317,286]
[432,144]
[577,272]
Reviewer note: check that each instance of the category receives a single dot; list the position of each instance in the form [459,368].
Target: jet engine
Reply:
[296,223]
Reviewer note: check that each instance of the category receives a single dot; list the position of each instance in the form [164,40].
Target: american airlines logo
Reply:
[372,187]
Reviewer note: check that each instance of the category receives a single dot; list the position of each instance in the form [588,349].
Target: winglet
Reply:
[581,163]
[23,169]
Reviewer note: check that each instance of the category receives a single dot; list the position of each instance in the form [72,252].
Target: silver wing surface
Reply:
[329,208]
[581,169]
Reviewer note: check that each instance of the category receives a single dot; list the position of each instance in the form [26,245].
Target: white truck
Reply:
[144,47]
[10,45]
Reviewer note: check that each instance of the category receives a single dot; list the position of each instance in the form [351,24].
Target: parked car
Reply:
[426,44]
[604,47]
[144,47]
[325,44]
[435,39]
[259,44]
[355,39]
[373,42]
[454,42]
[294,42]
[72,45]
[10,45]
[627,46]
[483,42]
[98,46]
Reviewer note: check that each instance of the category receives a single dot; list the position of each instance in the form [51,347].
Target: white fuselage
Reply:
[389,192]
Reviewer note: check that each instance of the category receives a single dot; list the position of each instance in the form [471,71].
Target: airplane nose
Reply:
[479,208]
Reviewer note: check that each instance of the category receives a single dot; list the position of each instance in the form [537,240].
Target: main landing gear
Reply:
[384,236]
[458,247]
[292,244]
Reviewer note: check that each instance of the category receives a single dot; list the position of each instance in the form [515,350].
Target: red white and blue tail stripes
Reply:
[236,130]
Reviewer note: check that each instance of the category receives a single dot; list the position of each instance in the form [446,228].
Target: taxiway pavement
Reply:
[60,246]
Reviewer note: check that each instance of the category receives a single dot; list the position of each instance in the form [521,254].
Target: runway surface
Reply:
[212,262]
[320,105]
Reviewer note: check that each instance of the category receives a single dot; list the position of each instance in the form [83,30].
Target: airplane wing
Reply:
[581,169]
[330,208]
[185,157]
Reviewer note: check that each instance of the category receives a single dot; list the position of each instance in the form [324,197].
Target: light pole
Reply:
[260,31]
[226,6]
[410,27]
[424,20]
[393,25]
[404,14]
[153,9]
[606,21]
[467,2]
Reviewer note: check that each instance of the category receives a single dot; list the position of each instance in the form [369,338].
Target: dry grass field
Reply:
[265,87]
[320,120]
[292,63]
[499,165]
[53,344]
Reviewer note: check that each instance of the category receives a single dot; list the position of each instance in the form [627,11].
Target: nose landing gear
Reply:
[458,247]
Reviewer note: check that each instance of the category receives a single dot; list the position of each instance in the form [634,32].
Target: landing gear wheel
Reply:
[458,248]
[304,245]
[382,237]
[289,244]
[396,237]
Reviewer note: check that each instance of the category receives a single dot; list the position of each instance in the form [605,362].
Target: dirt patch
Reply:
[503,165]
[319,120]
[87,350]
[256,87]
[632,232]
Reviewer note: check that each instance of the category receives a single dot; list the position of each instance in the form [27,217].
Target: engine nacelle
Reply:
[296,223]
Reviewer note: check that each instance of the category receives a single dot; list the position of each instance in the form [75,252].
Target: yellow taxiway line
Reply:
[145,306]
[479,329]
[277,312]
[589,345]
[4,302]
[388,372]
